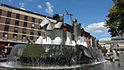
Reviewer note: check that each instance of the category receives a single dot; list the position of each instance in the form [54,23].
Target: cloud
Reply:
[22,4]
[23,8]
[39,6]
[98,30]
[82,25]
[105,34]
[96,27]
[49,8]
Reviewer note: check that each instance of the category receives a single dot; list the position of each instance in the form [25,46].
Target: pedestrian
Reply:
[119,64]
[2,53]
[5,51]
[113,60]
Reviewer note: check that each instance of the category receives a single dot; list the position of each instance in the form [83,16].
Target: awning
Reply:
[2,44]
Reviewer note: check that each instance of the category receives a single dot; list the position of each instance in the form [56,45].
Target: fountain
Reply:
[59,49]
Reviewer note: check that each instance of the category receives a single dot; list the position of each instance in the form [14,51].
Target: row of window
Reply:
[17,23]
[15,36]
[18,16]
[6,28]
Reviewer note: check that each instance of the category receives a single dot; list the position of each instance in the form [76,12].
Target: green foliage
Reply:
[115,23]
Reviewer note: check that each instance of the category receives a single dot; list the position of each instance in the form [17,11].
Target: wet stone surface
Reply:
[103,66]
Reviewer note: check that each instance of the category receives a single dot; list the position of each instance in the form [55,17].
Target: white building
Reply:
[105,42]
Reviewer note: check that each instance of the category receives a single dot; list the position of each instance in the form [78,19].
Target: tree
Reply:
[115,23]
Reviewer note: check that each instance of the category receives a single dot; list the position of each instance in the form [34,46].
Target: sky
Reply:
[90,13]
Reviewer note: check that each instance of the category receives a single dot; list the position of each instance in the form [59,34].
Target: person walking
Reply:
[113,60]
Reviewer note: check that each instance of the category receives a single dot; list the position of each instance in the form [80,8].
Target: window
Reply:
[8,20]
[15,29]
[0,12]
[18,16]
[32,25]
[16,22]
[5,35]
[25,24]
[39,32]
[6,28]
[14,36]
[26,18]
[24,37]
[9,14]
[31,37]
[24,30]
[40,20]
[32,32]
[33,19]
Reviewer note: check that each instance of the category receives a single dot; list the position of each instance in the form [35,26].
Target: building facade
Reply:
[88,37]
[118,41]
[68,28]
[16,25]
[106,42]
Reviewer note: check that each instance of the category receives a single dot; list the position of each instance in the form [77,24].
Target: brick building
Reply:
[91,40]
[87,36]
[17,24]
[68,27]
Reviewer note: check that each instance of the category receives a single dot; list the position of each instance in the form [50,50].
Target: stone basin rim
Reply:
[2,64]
